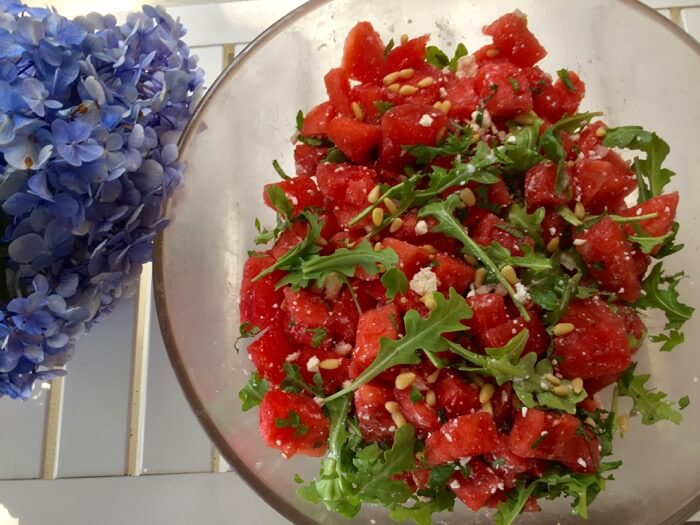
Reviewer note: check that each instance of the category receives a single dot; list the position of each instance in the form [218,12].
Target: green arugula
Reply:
[426,334]
[648,243]
[300,120]
[437,497]
[563,75]
[438,58]
[550,141]
[280,171]
[395,282]
[294,383]
[568,215]
[670,340]
[530,223]
[650,403]
[251,395]
[443,211]
[651,176]
[382,106]
[318,336]
[343,262]
[246,331]
[670,247]
[661,292]
[293,420]
[335,156]
[530,259]
[453,144]
[389,46]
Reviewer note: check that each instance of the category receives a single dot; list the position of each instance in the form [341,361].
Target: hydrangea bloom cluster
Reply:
[90,115]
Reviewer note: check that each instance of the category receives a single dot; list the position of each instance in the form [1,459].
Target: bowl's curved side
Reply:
[182,254]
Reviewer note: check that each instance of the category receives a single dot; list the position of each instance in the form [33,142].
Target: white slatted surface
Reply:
[94,438]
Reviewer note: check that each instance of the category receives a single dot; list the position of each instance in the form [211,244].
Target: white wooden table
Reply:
[116,442]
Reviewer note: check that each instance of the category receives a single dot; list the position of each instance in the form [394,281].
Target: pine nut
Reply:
[425,82]
[579,211]
[396,225]
[390,206]
[601,132]
[577,385]
[552,379]
[378,246]
[420,457]
[432,378]
[470,259]
[509,273]
[553,244]
[394,88]
[429,248]
[590,422]
[561,390]
[329,364]
[377,216]
[320,241]
[487,407]
[486,393]
[407,73]
[392,407]
[446,106]
[467,197]
[479,276]
[404,38]
[430,398]
[408,90]
[561,329]
[404,380]
[624,423]
[398,418]
[391,78]
[373,195]
[357,111]
[429,301]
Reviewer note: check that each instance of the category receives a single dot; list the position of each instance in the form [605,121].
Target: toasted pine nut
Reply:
[377,216]
[390,206]
[553,244]
[493,52]
[479,276]
[357,111]
[624,423]
[487,407]
[432,378]
[392,407]
[329,364]
[430,398]
[373,195]
[561,390]
[404,38]
[398,418]
[429,248]
[391,78]
[509,273]
[468,197]
[577,385]
[601,132]
[404,380]
[486,393]
[553,379]
[394,88]
[407,73]
[561,329]
[579,211]
[378,246]
[408,90]
[396,225]
[470,259]
[425,82]
[320,241]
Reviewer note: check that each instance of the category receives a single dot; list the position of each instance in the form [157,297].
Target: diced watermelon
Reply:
[411,258]
[602,183]
[540,186]
[302,192]
[278,409]
[462,96]
[374,324]
[401,126]
[489,230]
[452,273]
[332,379]
[357,140]
[374,420]
[489,311]
[338,89]
[515,41]
[344,318]
[461,437]
[456,395]
[665,208]
[411,54]
[423,417]
[505,88]
[537,341]
[306,159]
[316,121]
[259,301]
[363,55]
[269,352]
[306,316]
[478,488]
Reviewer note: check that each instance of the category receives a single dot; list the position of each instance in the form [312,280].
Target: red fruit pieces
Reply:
[357,140]
[269,353]
[478,488]
[279,411]
[456,395]
[514,40]
[461,437]
[598,345]
[302,192]
[373,325]
[375,421]
[540,186]
[363,55]
[259,301]
[307,316]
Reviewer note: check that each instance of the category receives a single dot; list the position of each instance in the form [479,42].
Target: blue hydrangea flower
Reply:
[90,115]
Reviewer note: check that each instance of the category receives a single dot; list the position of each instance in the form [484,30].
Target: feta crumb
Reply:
[449,438]
[312,364]
[424,282]
[667,210]
[346,383]
[512,139]
[426,121]
[343,348]
[443,92]
[582,462]
[523,411]
[485,119]
[293,199]
[521,292]
[278,442]
[621,290]
[466,67]
[552,231]
[454,484]
[421,228]
[292,357]
[463,462]
[579,242]
[638,212]
[318,400]
[544,433]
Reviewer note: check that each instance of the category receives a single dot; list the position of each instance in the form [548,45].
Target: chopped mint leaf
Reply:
[415,395]
[389,46]
[251,395]
[382,106]
[318,337]
[335,156]
[280,171]
[683,402]
[294,383]
[563,75]
[435,56]
[293,420]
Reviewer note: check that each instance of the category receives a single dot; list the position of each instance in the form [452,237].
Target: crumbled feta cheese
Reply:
[292,357]
[443,92]
[346,383]
[544,433]
[463,462]
[621,290]
[312,364]
[421,227]
[582,462]
[523,411]
[318,400]
[512,139]
[449,438]
[426,121]
[485,119]
[343,348]
[424,282]
[552,231]
[638,212]
[521,292]
[454,484]
[579,242]
[466,67]
[293,199]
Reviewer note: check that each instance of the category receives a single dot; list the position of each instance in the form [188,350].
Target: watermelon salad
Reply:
[460,263]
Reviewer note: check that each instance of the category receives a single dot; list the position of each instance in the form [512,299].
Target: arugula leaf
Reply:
[443,211]
[670,247]
[550,141]
[318,337]
[509,510]
[563,75]
[568,293]
[421,334]
[453,144]
[246,330]
[650,403]
[530,259]
[415,396]
[460,52]
[436,56]
[304,248]
[536,386]
[300,120]
[389,46]
[280,171]
[293,420]
[530,223]
[382,106]
[568,215]
[343,262]
[660,291]
[251,395]
[683,402]
[294,383]
[651,177]
[647,243]
[395,282]
[514,84]
[554,289]
[520,150]
[335,156]
[670,340]
[279,200]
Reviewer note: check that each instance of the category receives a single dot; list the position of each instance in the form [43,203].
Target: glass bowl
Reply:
[639,69]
